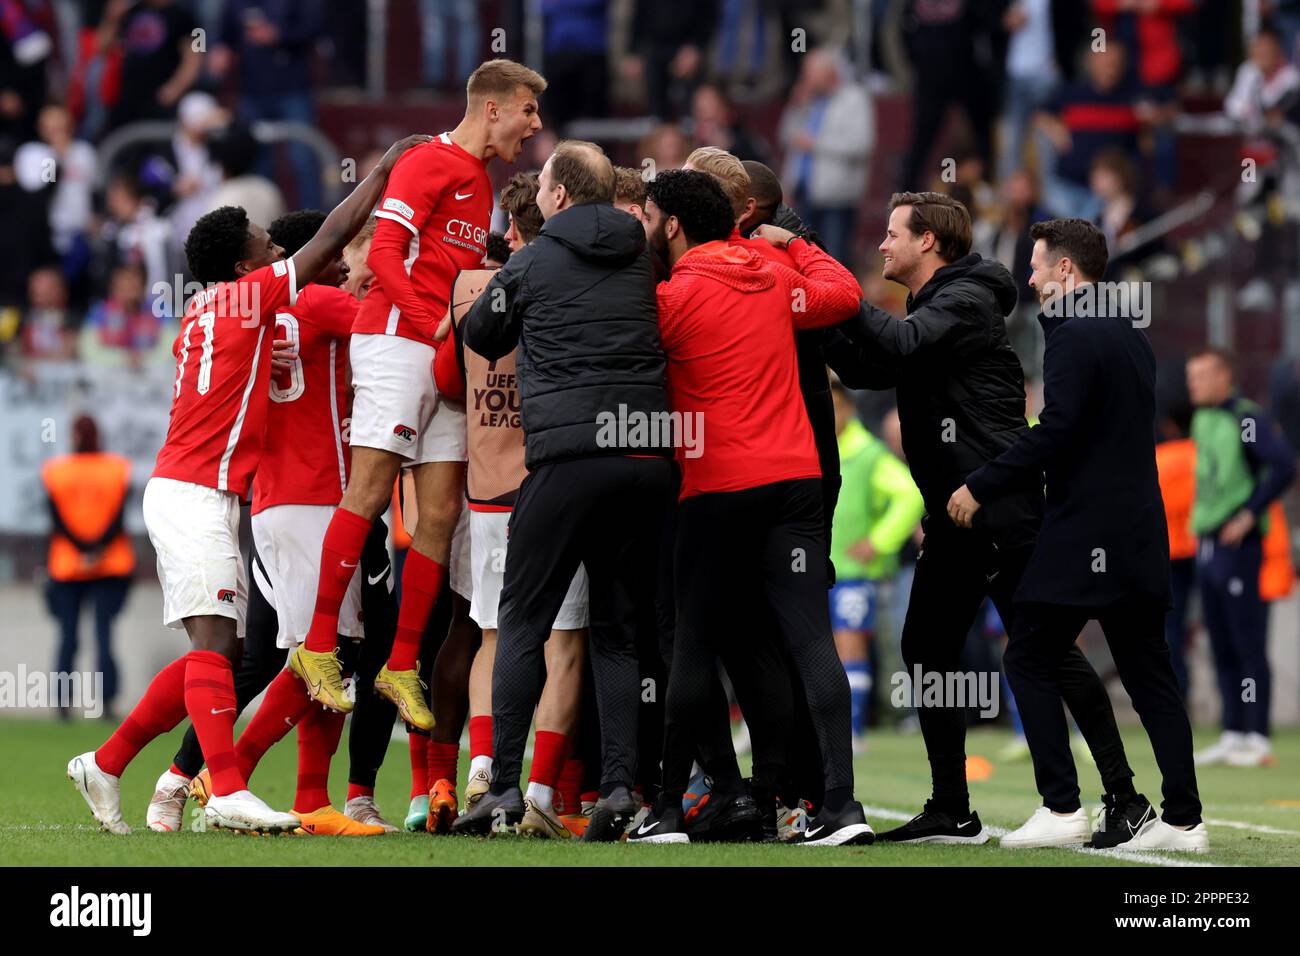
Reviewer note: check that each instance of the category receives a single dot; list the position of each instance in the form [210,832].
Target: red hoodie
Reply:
[727,319]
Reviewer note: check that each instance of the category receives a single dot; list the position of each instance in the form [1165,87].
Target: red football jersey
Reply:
[306,458]
[433,223]
[223,370]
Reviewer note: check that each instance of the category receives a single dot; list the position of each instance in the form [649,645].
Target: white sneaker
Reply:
[1161,836]
[1045,828]
[166,811]
[1229,742]
[102,791]
[242,810]
[364,810]
[1255,751]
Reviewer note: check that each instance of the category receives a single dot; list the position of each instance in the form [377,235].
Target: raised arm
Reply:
[347,218]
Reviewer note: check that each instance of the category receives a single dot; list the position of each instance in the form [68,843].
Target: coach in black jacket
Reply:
[579,302]
[961,403]
[1103,551]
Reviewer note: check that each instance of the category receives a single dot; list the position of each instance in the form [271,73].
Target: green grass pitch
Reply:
[1254,815]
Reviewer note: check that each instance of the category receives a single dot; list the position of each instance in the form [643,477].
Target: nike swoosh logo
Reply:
[812,833]
[963,825]
[346,565]
[222,710]
[466,196]
[643,829]
[288,722]
[378,577]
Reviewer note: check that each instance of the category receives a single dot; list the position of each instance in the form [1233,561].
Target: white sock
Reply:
[481,762]
[541,796]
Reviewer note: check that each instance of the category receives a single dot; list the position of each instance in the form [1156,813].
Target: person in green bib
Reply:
[879,508]
[1243,464]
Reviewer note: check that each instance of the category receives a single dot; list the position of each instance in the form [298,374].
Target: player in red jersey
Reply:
[191,504]
[433,223]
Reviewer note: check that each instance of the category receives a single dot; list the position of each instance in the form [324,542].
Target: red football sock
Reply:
[480,736]
[318,739]
[340,555]
[210,702]
[418,745]
[356,790]
[422,579]
[286,702]
[442,761]
[160,709]
[568,791]
[549,751]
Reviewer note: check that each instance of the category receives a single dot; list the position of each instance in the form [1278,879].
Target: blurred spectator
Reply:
[1082,119]
[197,174]
[951,45]
[1265,85]
[714,123]
[1286,14]
[122,329]
[1176,465]
[741,20]
[90,557]
[275,41]
[159,59]
[134,233]
[439,21]
[1009,241]
[1113,180]
[576,48]
[669,42]
[66,166]
[235,151]
[1032,75]
[667,146]
[24,245]
[46,329]
[26,27]
[1150,30]
[95,84]
[828,131]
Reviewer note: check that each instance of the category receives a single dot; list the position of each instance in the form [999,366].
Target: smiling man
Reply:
[433,223]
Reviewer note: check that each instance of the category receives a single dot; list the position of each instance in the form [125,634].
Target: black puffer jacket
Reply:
[961,390]
[579,302]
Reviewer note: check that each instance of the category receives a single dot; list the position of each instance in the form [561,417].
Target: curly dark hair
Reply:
[294,230]
[217,241]
[498,250]
[697,201]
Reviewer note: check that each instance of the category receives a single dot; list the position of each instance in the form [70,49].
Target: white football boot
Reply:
[364,810]
[1228,743]
[102,792]
[1045,828]
[1255,751]
[166,810]
[242,810]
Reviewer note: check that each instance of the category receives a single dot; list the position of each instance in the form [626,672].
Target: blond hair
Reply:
[629,187]
[500,78]
[727,170]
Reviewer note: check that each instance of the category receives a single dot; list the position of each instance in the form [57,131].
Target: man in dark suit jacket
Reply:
[1103,550]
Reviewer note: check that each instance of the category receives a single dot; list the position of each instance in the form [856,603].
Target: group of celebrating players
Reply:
[562,573]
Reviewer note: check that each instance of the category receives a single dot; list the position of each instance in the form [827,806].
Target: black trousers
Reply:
[955,572]
[604,513]
[772,535]
[1134,628]
[65,600]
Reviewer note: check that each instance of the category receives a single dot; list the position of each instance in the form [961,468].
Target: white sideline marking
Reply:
[1254,827]
[1147,857]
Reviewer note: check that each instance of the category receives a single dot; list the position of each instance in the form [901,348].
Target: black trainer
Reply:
[610,816]
[1122,820]
[492,812]
[726,818]
[847,826]
[933,825]
[664,824]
